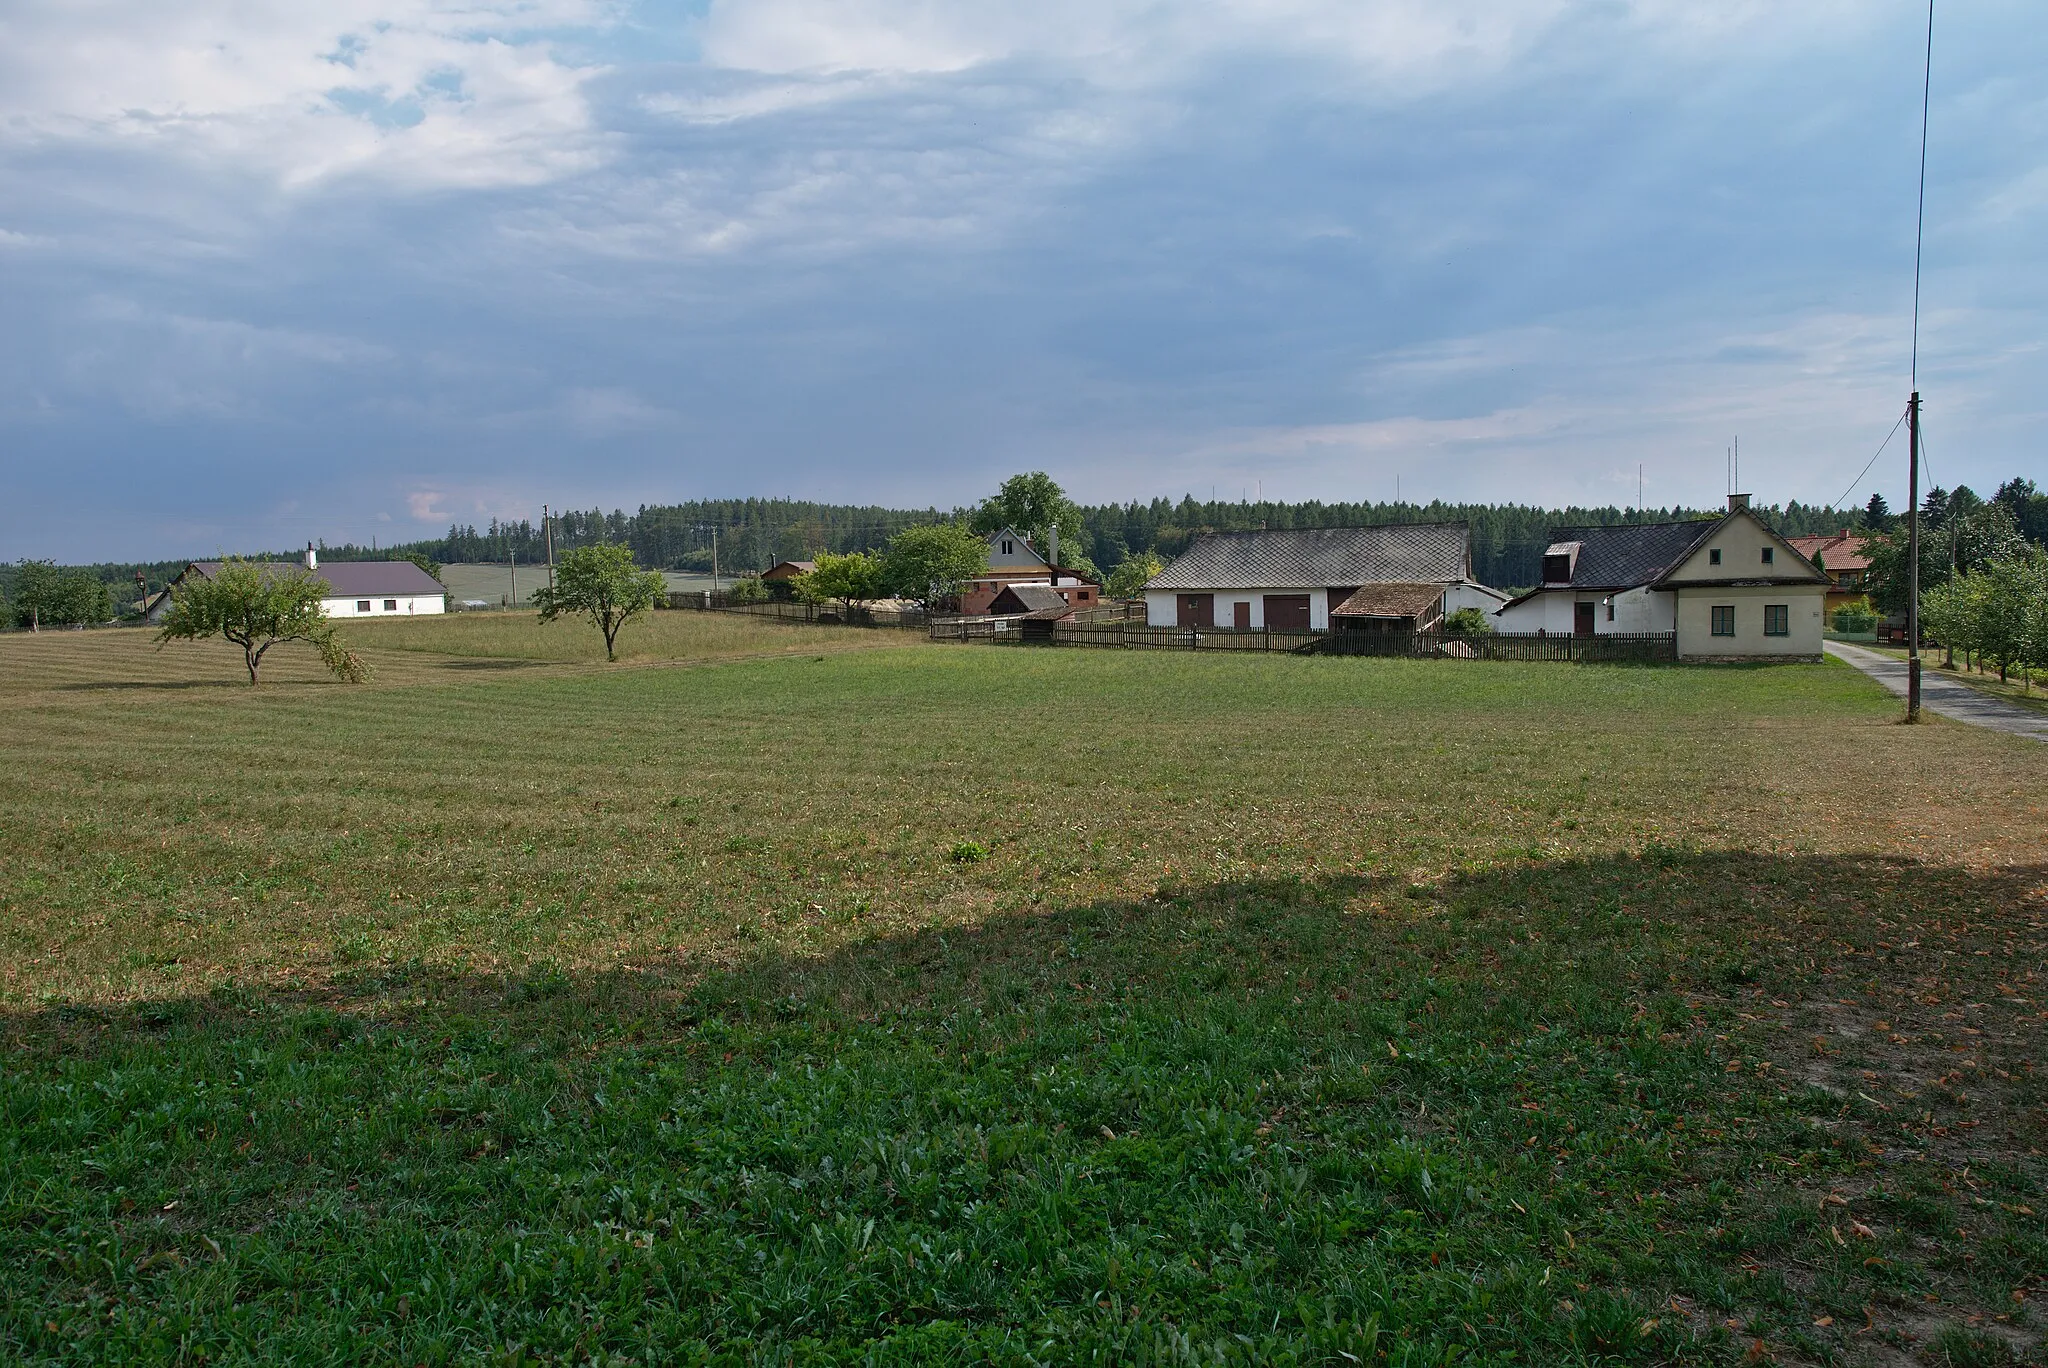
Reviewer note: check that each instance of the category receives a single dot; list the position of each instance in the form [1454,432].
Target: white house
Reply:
[354,588]
[1306,578]
[1729,588]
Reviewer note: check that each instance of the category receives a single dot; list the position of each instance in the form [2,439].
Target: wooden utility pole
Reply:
[547,532]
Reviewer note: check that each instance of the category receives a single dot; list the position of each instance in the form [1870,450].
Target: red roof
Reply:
[1836,550]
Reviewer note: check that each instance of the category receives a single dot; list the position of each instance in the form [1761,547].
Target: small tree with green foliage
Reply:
[851,580]
[605,584]
[1132,574]
[928,563]
[1468,622]
[256,607]
[747,590]
[45,596]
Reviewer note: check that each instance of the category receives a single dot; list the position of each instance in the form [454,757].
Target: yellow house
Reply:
[1727,588]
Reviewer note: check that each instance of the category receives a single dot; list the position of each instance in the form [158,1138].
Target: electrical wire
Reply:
[1871,462]
[1920,219]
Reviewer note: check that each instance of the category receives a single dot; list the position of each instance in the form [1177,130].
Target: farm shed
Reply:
[1295,578]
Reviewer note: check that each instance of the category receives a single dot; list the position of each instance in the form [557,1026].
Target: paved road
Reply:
[1943,695]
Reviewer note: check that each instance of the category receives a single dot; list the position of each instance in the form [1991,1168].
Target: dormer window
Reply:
[1557,569]
[1714,556]
[1768,553]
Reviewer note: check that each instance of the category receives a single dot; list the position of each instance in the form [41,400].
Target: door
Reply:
[1241,616]
[1194,610]
[1582,618]
[1287,612]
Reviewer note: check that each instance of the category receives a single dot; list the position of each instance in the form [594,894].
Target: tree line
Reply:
[746,536]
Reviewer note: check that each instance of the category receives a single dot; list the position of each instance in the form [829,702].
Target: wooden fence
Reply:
[1616,647]
[795,610]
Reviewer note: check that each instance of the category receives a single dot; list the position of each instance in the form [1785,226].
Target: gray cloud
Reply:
[863,251]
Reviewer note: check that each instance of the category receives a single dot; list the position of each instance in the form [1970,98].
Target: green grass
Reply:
[1297,1011]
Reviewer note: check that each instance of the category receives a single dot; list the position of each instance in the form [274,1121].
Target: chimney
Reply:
[1052,553]
[1738,503]
[312,561]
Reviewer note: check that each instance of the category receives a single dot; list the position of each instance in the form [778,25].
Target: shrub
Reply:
[1855,617]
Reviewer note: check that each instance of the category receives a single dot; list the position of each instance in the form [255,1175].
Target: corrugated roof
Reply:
[1623,557]
[1390,600]
[354,579]
[1322,557]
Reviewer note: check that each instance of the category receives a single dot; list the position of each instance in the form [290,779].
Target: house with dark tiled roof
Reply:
[353,588]
[1729,588]
[1317,578]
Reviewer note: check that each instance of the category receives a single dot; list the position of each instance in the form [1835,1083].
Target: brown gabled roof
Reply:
[1390,601]
[1843,550]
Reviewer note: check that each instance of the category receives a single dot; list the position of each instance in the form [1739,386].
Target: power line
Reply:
[1920,219]
[1869,463]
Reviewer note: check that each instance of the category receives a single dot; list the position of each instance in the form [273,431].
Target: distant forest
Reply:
[753,534]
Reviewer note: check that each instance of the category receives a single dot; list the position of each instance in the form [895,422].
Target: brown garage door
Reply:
[1194,610]
[1287,612]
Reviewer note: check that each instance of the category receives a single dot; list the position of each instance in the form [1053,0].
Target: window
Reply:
[1769,554]
[1714,558]
[1777,619]
[1610,610]
[1557,569]
[1724,617]
[390,605]
[362,605]
[1006,548]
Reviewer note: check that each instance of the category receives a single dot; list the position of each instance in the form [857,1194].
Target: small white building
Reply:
[1729,588]
[355,589]
[1303,579]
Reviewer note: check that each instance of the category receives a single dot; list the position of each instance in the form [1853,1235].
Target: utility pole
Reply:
[1913,558]
[515,578]
[1913,405]
[547,532]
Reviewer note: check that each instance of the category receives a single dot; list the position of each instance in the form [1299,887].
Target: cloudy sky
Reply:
[272,271]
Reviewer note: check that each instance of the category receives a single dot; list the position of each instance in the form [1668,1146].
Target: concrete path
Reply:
[1941,694]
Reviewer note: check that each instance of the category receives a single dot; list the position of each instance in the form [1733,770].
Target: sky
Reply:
[278,272]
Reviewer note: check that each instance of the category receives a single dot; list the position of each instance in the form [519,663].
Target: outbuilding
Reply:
[1300,579]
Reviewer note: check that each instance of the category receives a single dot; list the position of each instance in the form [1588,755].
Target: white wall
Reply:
[1161,609]
[1553,611]
[1472,596]
[408,605]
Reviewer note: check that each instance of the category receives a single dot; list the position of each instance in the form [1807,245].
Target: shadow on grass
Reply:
[1578,1110]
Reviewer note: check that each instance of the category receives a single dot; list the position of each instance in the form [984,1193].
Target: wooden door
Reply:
[1287,612]
[1241,616]
[1582,618]
[1194,610]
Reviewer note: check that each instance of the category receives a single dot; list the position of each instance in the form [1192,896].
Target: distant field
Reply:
[497,584]
[860,1000]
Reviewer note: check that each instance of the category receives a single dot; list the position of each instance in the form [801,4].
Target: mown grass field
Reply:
[848,1000]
